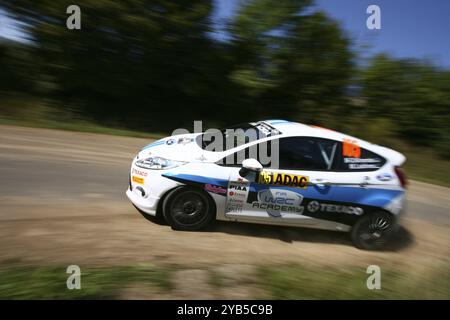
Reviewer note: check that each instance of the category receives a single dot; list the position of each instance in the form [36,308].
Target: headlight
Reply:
[158,163]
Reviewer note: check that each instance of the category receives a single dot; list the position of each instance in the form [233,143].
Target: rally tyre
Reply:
[188,209]
[373,231]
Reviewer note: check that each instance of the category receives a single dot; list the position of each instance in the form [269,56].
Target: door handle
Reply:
[365,182]
[320,182]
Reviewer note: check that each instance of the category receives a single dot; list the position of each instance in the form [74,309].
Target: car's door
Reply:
[282,193]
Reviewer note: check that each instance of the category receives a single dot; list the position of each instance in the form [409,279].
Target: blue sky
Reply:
[409,29]
[416,29]
[9,28]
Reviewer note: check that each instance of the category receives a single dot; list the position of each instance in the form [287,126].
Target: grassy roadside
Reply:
[45,282]
[299,282]
[422,164]
[273,282]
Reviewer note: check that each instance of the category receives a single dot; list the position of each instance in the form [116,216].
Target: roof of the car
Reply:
[295,128]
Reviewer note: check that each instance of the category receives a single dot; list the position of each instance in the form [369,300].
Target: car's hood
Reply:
[181,147]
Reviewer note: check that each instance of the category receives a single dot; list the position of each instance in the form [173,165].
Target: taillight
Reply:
[401,176]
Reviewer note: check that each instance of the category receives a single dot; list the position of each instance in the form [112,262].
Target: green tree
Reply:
[290,62]
[133,61]
[15,62]
[415,94]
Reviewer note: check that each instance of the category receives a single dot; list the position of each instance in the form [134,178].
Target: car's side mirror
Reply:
[250,167]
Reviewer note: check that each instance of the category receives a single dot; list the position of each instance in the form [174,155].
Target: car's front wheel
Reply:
[372,231]
[188,209]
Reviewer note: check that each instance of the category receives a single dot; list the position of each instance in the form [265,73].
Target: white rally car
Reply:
[323,179]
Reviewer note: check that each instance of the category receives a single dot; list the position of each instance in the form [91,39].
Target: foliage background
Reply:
[154,65]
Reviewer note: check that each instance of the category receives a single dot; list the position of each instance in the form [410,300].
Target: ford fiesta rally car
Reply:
[323,179]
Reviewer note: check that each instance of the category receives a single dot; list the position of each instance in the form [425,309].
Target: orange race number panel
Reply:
[350,149]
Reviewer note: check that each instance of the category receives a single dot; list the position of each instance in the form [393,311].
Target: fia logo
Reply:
[238,187]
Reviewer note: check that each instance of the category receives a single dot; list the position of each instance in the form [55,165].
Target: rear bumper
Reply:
[397,205]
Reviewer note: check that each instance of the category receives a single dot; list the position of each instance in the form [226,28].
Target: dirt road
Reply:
[62,201]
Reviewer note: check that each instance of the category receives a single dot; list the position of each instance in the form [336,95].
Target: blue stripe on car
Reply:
[364,196]
[350,194]
[198,179]
[277,121]
[154,144]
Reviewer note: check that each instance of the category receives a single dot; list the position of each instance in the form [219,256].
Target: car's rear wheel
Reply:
[373,231]
[188,209]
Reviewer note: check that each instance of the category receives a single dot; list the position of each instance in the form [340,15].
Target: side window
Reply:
[310,153]
[366,161]
[307,153]
[295,153]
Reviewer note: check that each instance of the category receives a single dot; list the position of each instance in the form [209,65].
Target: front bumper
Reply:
[148,204]
[147,187]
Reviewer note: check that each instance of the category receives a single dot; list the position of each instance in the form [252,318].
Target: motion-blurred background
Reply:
[146,67]
[158,65]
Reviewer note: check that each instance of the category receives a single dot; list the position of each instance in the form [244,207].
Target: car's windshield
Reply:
[236,135]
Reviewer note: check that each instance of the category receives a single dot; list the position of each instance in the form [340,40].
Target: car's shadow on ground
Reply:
[399,241]
[402,238]
[282,233]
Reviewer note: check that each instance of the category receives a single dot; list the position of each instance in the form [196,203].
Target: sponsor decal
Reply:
[239,187]
[139,172]
[267,130]
[234,208]
[236,196]
[358,163]
[283,179]
[215,189]
[276,201]
[185,140]
[385,176]
[138,179]
[170,142]
[359,160]
[315,206]
[363,166]
[350,148]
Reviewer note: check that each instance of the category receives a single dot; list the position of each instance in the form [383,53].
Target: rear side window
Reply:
[365,160]
[307,153]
